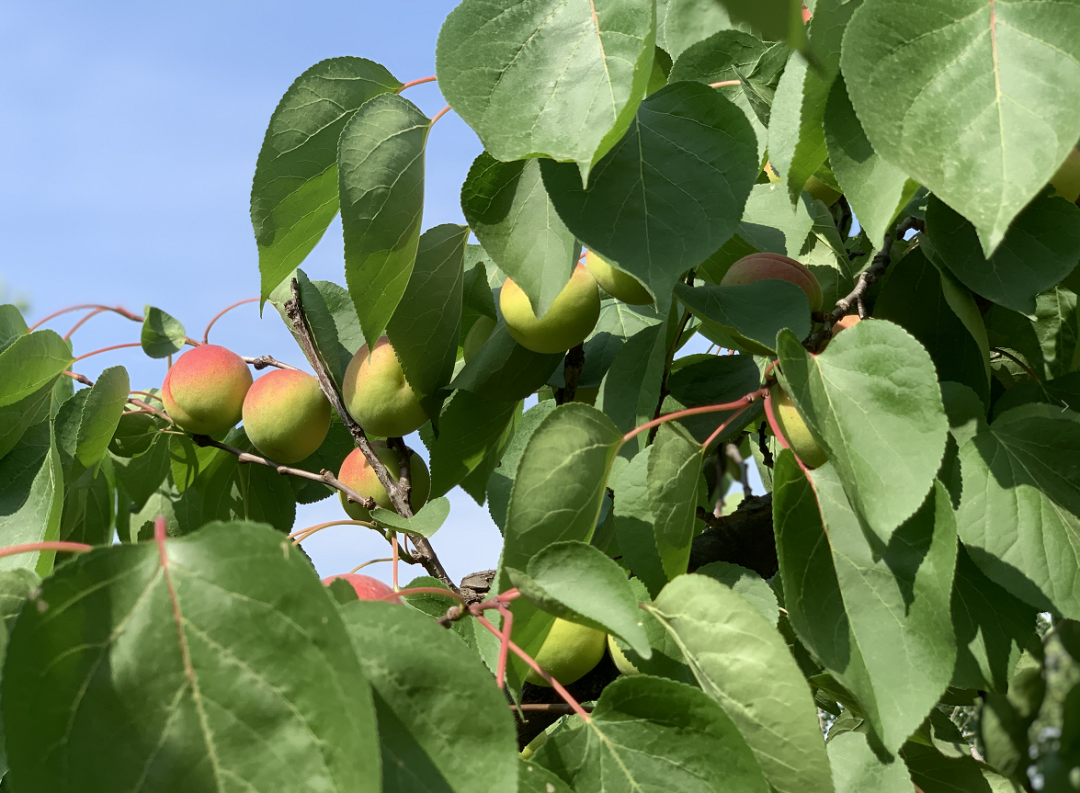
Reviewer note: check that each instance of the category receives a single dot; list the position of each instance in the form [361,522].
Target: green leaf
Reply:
[1040,248]
[425,522]
[747,583]
[741,661]
[294,195]
[649,734]
[751,314]
[1019,511]
[31,498]
[1057,326]
[381,188]
[30,363]
[666,659]
[682,23]
[770,223]
[537,779]
[992,629]
[934,772]
[634,523]
[857,768]
[669,193]
[501,482]
[897,597]
[876,189]
[618,323]
[913,296]
[87,515]
[18,417]
[509,211]
[101,415]
[674,475]
[443,725]
[425,328]
[12,325]
[16,587]
[560,481]
[954,96]
[873,403]
[775,20]
[473,432]
[197,644]
[502,369]
[631,387]
[593,59]
[141,476]
[162,334]
[575,581]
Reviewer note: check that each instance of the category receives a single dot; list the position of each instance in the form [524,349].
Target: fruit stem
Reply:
[33,547]
[108,349]
[742,402]
[223,312]
[411,83]
[79,378]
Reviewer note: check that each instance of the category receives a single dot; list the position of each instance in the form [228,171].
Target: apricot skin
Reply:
[204,390]
[621,286]
[367,588]
[845,322]
[569,652]
[377,394]
[571,317]
[794,428]
[286,415]
[358,475]
[765,266]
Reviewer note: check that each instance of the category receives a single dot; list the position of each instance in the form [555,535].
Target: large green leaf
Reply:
[682,23]
[428,519]
[674,475]
[503,369]
[875,189]
[537,779]
[1040,248]
[212,662]
[858,769]
[425,327]
[669,193]
[16,586]
[88,508]
[751,314]
[741,661]
[956,95]
[381,187]
[631,387]
[31,363]
[294,195]
[593,59]
[560,481]
[12,325]
[502,478]
[747,583]
[1019,511]
[935,772]
[18,417]
[101,415]
[776,20]
[509,211]
[650,735]
[443,725]
[634,523]
[576,581]
[31,498]
[770,223]
[872,401]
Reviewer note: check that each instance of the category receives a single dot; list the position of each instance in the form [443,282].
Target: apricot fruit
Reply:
[620,285]
[569,652]
[367,588]
[204,390]
[845,322]
[358,475]
[286,415]
[765,266]
[571,317]
[377,394]
[794,429]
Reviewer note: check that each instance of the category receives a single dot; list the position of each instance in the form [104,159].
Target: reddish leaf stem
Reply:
[724,84]
[80,323]
[424,590]
[394,559]
[439,115]
[742,402]
[722,427]
[504,645]
[223,312]
[365,564]
[116,310]
[108,349]
[300,535]
[421,81]
[33,547]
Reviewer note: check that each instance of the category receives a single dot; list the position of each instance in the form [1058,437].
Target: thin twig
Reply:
[866,279]
[1020,363]
[263,361]
[551,707]
[572,366]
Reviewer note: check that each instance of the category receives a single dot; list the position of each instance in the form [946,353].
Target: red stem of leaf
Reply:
[369,561]
[722,427]
[117,310]
[439,115]
[33,547]
[504,645]
[424,590]
[421,81]
[724,84]
[108,349]
[394,558]
[223,312]
[738,403]
[82,321]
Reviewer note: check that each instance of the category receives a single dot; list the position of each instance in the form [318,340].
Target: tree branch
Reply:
[572,366]
[866,279]
[399,495]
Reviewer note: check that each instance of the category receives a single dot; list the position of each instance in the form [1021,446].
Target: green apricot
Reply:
[377,394]
[569,652]
[794,428]
[571,317]
[620,285]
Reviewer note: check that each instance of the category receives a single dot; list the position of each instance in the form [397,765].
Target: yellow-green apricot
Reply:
[377,394]
[569,652]
[620,285]
[286,415]
[765,266]
[204,390]
[794,429]
[479,333]
[357,474]
[1066,182]
[622,663]
[571,317]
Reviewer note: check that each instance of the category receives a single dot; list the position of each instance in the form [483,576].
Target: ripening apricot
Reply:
[845,322]
[571,317]
[377,394]
[620,285]
[569,652]
[794,429]
[204,390]
[367,588]
[765,266]
[286,415]
[358,475]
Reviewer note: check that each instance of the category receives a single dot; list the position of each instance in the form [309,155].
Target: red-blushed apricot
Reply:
[620,285]
[794,428]
[571,317]
[765,266]
[358,475]
[377,394]
[569,652]
[367,588]
[845,322]
[204,390]
[286,415]
[478,334]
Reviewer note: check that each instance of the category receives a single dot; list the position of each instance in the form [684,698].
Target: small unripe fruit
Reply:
[1066,182]
[622,663]
[377,394]
[794,429]
[286,415]
[621,286]
[204,390]
[765,266]
[355,473]
[477,336]
[571,317]
[569,652]
[845,322]
[367,588]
